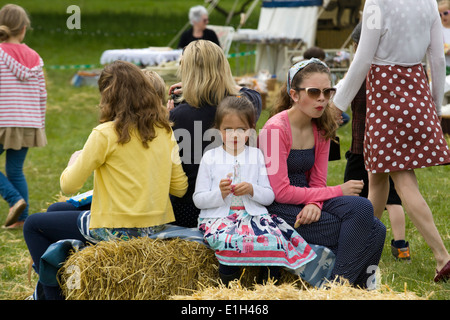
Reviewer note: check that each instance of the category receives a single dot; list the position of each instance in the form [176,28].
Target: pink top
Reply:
[275,141]
[22,54]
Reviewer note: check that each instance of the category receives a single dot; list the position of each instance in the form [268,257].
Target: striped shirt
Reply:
[23,94]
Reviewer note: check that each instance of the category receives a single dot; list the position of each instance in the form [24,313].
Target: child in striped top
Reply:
[23,98]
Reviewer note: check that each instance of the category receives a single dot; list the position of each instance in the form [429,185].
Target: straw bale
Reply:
[176,269]
[138,269]
[292,291]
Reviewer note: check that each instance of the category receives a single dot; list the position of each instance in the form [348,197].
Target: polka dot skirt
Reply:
[402,128]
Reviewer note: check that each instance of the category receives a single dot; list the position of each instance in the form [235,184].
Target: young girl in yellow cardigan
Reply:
[136,165]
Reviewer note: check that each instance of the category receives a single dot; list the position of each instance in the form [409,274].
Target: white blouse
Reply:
[446,34]
[399,32]
[215,165]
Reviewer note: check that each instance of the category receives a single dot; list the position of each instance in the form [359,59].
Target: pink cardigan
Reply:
[275,141]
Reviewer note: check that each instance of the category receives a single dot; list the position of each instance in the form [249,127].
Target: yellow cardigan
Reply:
[131,183]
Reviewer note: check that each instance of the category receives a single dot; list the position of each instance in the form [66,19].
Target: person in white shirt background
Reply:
[403,131]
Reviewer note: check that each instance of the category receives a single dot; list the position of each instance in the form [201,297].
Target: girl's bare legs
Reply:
[420,214]
[397,218]
[378,192]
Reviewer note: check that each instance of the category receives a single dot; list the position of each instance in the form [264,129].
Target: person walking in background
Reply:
[232,190]
[402,130]
[23,98]
[355,169]
[296,145]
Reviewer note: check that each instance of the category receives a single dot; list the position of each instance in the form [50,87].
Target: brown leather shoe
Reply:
[15,211]
[444,274]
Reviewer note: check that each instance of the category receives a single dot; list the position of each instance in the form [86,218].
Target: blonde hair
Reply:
[157,82]
[13,19]
[130,100]
[205,74]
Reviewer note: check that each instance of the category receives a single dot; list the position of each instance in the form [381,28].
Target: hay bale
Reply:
[144,269]
[138,269]
[292,291]
[176,269]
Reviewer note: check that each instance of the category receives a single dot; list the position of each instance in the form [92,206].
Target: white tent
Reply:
[283,24]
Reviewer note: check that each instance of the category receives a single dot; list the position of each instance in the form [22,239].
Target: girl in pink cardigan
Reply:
[295,143]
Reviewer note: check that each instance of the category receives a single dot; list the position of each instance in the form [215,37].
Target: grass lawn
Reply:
[72,113]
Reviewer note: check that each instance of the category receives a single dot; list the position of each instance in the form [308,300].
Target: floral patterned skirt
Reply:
[264,240]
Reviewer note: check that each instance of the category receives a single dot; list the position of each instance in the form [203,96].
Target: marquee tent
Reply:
[281,21]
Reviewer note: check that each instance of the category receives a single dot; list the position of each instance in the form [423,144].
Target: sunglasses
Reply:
[314,93]
[445,13]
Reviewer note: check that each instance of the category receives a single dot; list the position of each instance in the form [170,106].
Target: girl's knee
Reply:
[380,229]
[362,207]
[31,223]
[362,213]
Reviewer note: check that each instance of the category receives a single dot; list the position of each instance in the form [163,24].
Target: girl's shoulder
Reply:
[216,151]
[108,125]
[277,124]
[23,54]
[279,120]
[105,129]
[253,150]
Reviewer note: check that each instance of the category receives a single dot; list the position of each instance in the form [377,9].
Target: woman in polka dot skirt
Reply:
[403,129]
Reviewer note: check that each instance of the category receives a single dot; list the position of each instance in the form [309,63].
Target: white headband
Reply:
[299,66]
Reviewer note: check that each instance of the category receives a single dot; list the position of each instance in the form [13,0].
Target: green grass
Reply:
[111,25]
[72,113]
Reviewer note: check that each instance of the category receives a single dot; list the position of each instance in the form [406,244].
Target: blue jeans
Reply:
[13,186]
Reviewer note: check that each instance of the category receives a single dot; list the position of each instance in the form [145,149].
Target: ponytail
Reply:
[5,33]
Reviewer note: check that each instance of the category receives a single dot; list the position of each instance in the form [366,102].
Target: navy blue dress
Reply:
[347,225]
[298,163]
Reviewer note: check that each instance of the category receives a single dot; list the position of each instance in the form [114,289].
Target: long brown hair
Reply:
[327,123]
[129,99]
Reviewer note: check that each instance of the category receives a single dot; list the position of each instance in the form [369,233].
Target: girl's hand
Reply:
[309,214]
[352,187]
[175,89]
[225,187]
[170,104]
[74,157]
[242,188]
